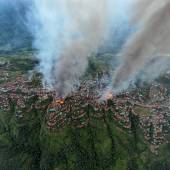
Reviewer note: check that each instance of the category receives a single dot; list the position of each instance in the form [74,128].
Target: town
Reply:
[150,105]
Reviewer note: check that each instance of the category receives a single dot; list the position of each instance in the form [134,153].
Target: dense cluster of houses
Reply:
[85,103]
[155,129]
[19,92]
[74,109]
[157,92]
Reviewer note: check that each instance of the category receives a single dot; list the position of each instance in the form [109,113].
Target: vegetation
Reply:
[25,141]
[27,144]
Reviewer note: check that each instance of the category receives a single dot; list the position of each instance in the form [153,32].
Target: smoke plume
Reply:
[67,33]
[150,40]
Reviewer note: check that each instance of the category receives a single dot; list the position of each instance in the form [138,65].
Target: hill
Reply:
[37,132]
[14,33]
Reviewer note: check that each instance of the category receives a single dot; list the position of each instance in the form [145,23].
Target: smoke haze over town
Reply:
[67,33]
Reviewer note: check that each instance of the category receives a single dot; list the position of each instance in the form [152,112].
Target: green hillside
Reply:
[27,142]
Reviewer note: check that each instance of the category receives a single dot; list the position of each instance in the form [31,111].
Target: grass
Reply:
[142,111]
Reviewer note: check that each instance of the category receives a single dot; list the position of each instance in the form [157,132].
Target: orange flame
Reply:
[60,101]
[109,96]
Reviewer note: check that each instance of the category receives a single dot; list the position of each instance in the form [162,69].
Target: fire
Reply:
[60,101]
[109,96]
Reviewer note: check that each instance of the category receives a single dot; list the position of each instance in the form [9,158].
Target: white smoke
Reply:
[67,32]
[149,41]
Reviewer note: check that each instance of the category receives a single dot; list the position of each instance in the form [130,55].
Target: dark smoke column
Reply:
[151,39]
